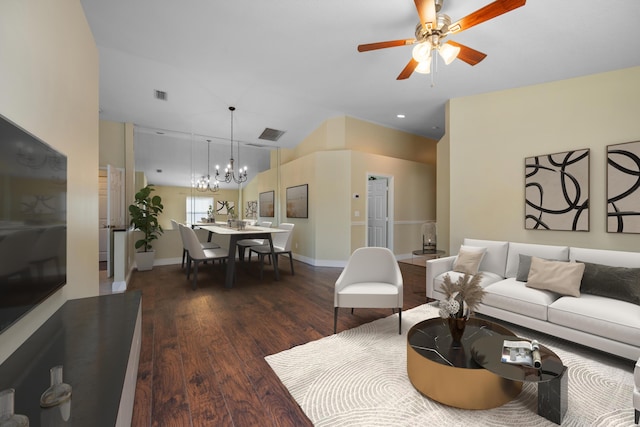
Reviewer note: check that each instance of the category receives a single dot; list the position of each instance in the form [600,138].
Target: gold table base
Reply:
[459,387]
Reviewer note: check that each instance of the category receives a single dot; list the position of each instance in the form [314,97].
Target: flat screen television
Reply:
[33,222]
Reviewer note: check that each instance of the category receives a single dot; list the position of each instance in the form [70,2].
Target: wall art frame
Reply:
[623,187]
[298,201]
[223,207]
[557,191]
[266,204]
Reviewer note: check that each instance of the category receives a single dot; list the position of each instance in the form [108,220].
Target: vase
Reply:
[456,327]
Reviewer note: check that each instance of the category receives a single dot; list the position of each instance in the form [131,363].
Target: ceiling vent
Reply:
[269,134]
[161,95]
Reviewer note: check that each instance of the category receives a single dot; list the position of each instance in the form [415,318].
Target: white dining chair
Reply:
[175,225]
[371,279]
[197,254]
[281,246]
[246,243]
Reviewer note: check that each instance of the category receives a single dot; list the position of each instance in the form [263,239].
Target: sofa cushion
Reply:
[621,283]
[514,296]
[487,279]
[558,253]
[468,259]
[605,317]
[606,257]
[495,258]
[555,276]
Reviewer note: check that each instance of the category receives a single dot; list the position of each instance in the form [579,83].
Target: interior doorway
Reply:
[379,211]
[111,211]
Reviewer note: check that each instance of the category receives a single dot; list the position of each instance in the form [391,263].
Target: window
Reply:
[197,208]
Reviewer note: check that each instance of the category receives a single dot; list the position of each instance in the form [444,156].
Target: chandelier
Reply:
[204,184]
[429,41]
[229,171]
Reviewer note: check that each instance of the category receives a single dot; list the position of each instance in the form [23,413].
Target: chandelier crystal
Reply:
[229,171]
[205,183]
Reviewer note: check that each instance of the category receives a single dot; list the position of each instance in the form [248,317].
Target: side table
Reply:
[552,376]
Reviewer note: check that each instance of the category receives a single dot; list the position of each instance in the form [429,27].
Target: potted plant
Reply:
[144,217]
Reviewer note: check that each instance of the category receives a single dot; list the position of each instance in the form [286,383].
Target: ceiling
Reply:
[292,64]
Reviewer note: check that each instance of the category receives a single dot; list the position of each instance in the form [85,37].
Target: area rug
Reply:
[359,378]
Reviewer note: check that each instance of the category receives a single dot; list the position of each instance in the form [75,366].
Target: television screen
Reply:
[33,222]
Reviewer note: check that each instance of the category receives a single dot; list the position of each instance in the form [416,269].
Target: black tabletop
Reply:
[487,352]
[431,339]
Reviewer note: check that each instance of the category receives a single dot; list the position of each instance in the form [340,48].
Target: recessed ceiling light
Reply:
[400,116]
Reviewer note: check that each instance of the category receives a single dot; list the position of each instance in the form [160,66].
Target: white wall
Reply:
[49,86]
[490,135]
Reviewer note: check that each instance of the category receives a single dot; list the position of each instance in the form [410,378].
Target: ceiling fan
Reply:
[434,26]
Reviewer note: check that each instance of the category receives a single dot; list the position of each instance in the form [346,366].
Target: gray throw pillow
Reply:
[524,266]
[619,283]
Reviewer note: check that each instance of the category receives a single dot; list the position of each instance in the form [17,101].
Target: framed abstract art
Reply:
[623,188]
[265,204]
[557,191]
[298,201]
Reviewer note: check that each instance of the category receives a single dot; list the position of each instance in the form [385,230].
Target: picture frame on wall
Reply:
[298,201]
[557,191]
[623,187]
[266,204]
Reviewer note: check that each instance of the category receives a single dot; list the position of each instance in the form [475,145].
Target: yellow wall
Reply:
[334,161]
[490,135]
[49,86]
[112,144]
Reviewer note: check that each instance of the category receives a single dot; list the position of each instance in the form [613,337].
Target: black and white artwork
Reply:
[623,188]
[557,191]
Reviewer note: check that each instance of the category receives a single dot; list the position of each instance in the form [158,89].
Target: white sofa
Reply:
[603,323]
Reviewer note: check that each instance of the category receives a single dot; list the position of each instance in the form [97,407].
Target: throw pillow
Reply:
[556,276]
[524,266]
[469,259]
[619,283]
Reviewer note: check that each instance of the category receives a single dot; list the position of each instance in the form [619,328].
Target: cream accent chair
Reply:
[281,246]
[197,254]
[636,391]
[246,243]
[371,279]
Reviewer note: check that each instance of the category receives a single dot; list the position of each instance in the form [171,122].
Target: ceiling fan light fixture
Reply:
[424,67]
[448,52]
[422,51]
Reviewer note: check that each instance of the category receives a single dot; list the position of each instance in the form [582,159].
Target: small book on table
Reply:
[521,352]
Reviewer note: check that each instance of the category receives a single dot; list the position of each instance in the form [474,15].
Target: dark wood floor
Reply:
[202,358]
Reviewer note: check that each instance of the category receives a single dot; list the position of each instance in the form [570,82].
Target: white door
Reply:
[111,208]
[115,208]
[103,229]
[377,218]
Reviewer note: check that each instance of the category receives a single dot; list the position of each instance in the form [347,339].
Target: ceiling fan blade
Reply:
[382,45]
[427,12]
[408,70]
[468,55]
[486,13]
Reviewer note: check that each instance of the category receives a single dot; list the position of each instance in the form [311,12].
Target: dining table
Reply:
[235,234]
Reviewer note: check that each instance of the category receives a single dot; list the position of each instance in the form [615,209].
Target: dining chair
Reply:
[371,279]
[281,246]
[175,225]
[197,254]
[246,243]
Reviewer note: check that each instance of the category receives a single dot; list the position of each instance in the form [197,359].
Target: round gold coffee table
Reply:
[448,374]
